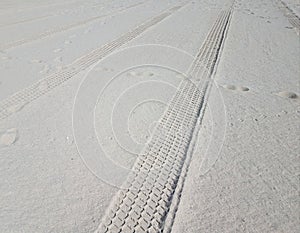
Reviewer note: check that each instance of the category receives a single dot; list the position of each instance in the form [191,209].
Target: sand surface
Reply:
[85,87]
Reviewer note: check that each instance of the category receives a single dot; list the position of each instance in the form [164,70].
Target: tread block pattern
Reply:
[201,71]
[143,202]
[291,16]
[157,177]
[34,91]
[208,53]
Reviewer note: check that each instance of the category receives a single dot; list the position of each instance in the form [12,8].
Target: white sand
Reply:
[243,173]
[252,186]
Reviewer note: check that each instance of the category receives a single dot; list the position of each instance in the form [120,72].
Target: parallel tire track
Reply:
[146,201]
[25,96]
[61,29]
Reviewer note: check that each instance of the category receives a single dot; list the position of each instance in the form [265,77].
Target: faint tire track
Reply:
[61,29]
[25,96]
[45,6]
[25,21]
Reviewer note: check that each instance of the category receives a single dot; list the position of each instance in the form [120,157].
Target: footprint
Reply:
[68,42]
[36,61]
[229,87]
[287,94]
[57,50]
[9,137]
[148,73]
[235,88]
[134,73]
[238,88]
[6,57]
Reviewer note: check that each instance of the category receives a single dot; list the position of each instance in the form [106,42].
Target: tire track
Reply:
[35,18]
[44,6]
[62,29]
[27,95]
[289,14]
[51,15]
[205,72]
[25,21]
[148,199]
